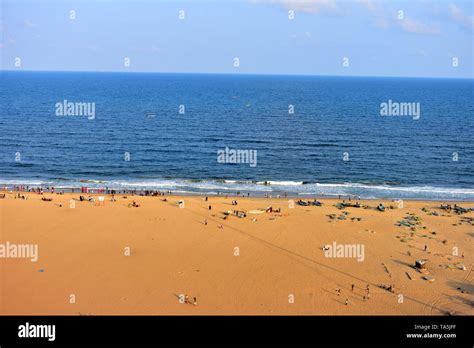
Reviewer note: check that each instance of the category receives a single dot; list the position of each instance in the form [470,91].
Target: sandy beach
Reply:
[113,258]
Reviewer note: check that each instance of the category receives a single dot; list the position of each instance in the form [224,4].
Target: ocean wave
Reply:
[430,189]
[274,187]
[281,183]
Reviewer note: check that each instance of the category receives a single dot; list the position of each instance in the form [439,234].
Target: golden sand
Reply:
[268,263]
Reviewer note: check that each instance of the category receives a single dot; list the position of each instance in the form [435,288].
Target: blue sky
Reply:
[423,42]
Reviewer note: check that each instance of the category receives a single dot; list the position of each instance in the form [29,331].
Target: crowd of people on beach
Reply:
[86,193]
[84,189]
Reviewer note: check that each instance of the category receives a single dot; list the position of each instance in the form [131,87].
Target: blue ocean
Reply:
[311,136]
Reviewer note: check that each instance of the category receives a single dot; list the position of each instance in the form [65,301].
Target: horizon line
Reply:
[234,74]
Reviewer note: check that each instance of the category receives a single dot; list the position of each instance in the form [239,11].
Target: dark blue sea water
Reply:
[300,153]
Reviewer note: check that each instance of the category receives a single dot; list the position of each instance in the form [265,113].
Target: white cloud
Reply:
[368,4]
[305,6]
[383,18]
[412,26]
[458,15]
[379,15]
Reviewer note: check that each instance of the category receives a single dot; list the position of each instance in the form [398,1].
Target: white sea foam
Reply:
[262,187]
[285,183]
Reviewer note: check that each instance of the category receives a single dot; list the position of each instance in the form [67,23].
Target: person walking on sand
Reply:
[205,222]
[352,288]
[195,301]
[210,207]
[426,247]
